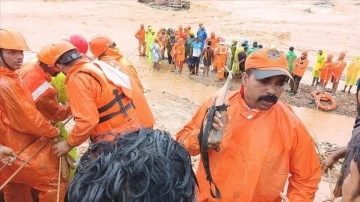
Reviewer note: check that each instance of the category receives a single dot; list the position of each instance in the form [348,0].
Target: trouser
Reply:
[142,47]
[294,85]
[335,84]
[169,57]
[220,71]
[196,63]
[242,67]
[15,192]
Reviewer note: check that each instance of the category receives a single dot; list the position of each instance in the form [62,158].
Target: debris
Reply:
[308,10]
[176,5]
[324,3]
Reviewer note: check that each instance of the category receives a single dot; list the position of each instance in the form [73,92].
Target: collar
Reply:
[7,72]
[245,110]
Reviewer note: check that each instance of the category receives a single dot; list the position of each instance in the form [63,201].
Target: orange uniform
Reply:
[43,93]
[140,35]
[98,105]
[214,42]
[23,124]
[143,110]
[221,53]
[300,66]
[179,52]
[339,66]
[255,160]
[326,71]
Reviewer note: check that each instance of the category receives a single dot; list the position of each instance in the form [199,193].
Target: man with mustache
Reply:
[262,143]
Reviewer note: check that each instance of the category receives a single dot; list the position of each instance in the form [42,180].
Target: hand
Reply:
[7,155]
[284,197]
[61,148]
[328,163]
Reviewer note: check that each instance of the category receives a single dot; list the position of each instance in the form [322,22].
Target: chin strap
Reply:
[3,60]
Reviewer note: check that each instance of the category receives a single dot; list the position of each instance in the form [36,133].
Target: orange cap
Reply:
[44,55]
[267,63]
[99,45]
[10,39]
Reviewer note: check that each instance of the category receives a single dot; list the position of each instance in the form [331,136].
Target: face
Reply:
[263,93]
[64,69]
[13,58]
[52,70]
[320,52]
[350,187]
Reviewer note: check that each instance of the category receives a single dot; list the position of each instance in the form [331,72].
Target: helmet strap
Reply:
[6,65]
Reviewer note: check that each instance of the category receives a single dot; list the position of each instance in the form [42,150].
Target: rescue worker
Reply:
[58,82]
[221,53]
[300,65]
[320,60]
[140,36]
[352,73]
[179,55]
[263,140]
[100,98]
[37,77]
[339,66]
[104,49]
[325,71]
[213,40]
[21,126]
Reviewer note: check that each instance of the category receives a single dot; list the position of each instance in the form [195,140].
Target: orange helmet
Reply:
[44,55]
[58,49]
[10,39]
[99,45]
[79,42]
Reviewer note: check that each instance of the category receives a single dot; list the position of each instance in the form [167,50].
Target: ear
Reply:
[244,78]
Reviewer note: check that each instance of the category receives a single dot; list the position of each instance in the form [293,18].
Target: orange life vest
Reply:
[115,106]
[36,80]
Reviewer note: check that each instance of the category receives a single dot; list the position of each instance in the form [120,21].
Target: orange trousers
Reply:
[14,192]
[220,70]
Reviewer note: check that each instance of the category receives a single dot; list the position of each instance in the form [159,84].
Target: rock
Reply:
[324,3]
[307,10]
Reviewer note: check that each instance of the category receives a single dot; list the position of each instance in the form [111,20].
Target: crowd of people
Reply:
[183,46]
[127,159]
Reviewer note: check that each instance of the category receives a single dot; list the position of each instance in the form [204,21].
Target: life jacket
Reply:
[36,80]
[115,105]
